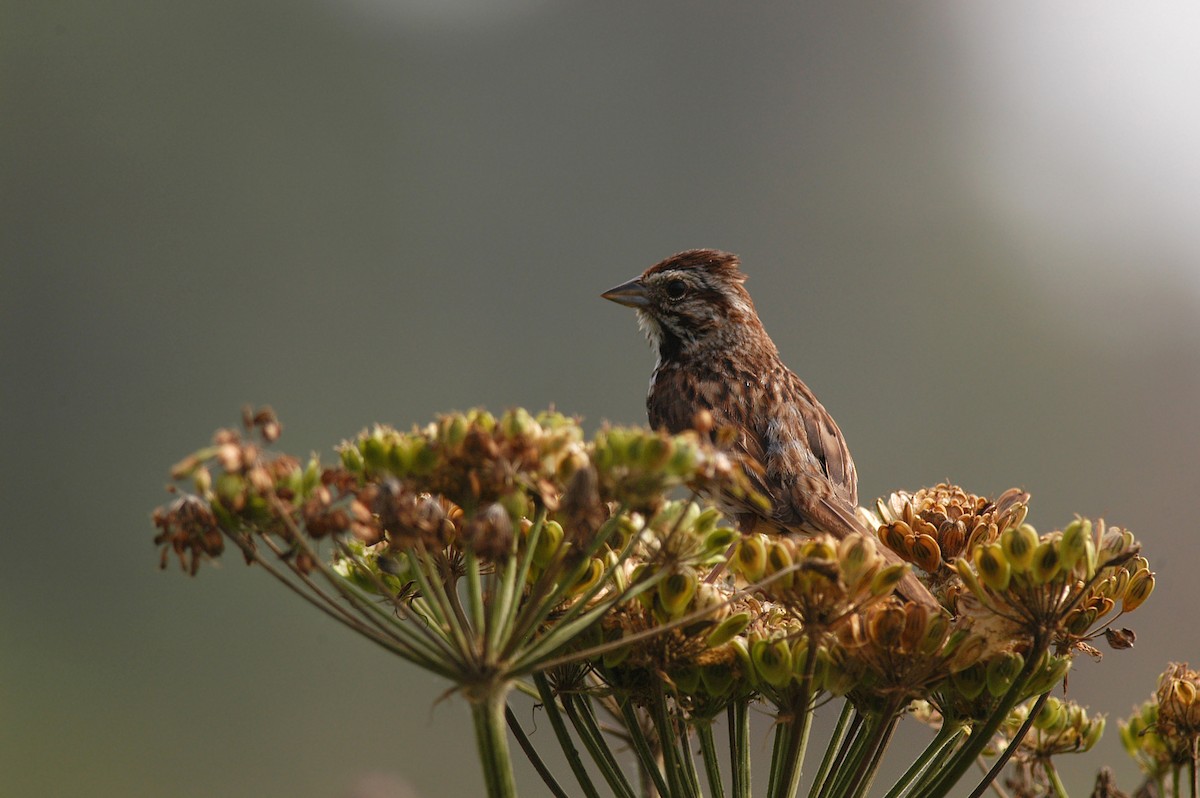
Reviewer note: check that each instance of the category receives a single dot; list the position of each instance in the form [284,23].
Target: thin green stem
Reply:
[927,762]
[688,760]
[858,769]
[982,734]
[550,705]
[641,746]
[1193,780]
[867,778]
[490,735]
[532,755]
[800,721]
[708,751]
[660,714]
[1012,746]
[836,740]
[579,710]
[848,753]
[739,748]
[1059,791]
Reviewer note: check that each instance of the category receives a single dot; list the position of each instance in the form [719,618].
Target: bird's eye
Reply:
[676,289]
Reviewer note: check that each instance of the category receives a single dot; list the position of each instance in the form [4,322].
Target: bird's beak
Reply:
[631,294]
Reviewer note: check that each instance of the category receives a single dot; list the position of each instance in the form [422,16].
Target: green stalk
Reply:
[550,704]
[792,766]
[641,746]
[867,777]
[1056,785]
[739,747]
[864,757]
[836,740]
[927,762]
[666,739]
[965,756]
[579,712]
[848,755]
[532,755]
[501,604]
[1012,746]
[490,735]
[475,608]
[688,760]
[1193,781]
[712,766]
[778,743]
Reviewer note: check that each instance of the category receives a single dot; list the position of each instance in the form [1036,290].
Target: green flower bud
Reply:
[750,558]
[970,682]
[1048,675]
[886,579]
[717,679]
[773,661]
[718,541]
[993,567]
[1093,733]
[1072,546]
[687,680]
[1141,585]
[352,458]
[1053,716]
[548,543]
[1019,544]
[616,656]
[1001,671]
[967,574]
[452,431]
[374,451]
[676,591]
[202,480]
[589,578]
[779,564]
[1046,562]
[727,629]
[518,423]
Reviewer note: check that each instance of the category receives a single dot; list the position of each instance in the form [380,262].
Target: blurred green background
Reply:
[971,227]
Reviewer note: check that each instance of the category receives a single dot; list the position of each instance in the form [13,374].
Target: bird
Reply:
[717,368]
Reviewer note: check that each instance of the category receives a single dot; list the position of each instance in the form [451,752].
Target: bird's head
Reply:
[691,300]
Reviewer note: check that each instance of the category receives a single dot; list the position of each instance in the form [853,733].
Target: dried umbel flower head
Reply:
[821,580]
[1058,586]
[904,650]
[1178,698]
[1155,753]
[1060,727]
[935,526]
[189,529]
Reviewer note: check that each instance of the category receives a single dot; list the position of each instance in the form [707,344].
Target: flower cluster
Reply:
[496,549]
[1163,734]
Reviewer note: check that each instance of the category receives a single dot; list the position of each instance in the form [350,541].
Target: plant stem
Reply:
[800,722]
[1012,746]
[928,761]
[550,704]
[982,734]
[708,750]
[641,746]
[1056,785]
[579,710]
[666,740]
[688,760]
[850,753]
[834,748]
[532,754]
[487,710]
[739,747]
